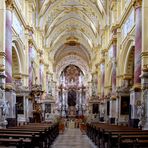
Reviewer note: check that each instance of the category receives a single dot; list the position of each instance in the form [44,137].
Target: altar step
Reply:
[73,138]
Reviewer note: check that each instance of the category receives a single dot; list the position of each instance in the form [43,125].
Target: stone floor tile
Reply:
[73,138]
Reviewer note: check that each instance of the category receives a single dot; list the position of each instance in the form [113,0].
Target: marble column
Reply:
[10,95]
[3,122]
[2,60]
[47,82]
[114,69]
[2,43]
[80,102]
[144,105]
[138,42]
[8,41]
[102,79]
[66,99]
[30,65]
[41,69]
[113,95]
[117,114]
[112,111]
[135,95]
[144,78]
[63,103]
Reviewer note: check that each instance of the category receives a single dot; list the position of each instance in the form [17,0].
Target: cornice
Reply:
[144,54]
[136,87]
[25,75]
[127,76]
[108,87]
[125,14]
[145,68]
[21,17]
[17,76]
[113,97]
[119,76]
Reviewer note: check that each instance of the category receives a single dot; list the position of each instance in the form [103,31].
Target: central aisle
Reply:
[73,138]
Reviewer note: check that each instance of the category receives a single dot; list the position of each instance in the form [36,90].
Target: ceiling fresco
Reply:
[71,27]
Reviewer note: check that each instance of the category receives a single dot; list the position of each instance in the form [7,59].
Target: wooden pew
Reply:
[41,135]
[19,143]
[105,133]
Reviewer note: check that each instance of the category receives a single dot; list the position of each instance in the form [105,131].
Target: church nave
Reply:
[70,64]
[73,138]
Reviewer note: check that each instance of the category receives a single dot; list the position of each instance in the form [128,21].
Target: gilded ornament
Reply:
[9,4]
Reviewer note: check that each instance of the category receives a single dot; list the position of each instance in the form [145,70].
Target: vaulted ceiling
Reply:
[72,26]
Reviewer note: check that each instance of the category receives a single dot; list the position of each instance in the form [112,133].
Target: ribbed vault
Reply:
[72,28]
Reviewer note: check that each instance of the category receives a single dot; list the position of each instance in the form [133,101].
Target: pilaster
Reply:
[135,95]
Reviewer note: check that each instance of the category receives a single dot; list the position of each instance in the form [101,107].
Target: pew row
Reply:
[29,136]
[113,136]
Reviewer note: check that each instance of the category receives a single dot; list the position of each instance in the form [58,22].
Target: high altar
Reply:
[71,100]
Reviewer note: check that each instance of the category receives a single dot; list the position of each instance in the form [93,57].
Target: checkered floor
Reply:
[73,138]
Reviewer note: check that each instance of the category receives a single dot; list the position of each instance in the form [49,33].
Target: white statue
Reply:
[5,108]
[1,93]
[102,113]
[140,113]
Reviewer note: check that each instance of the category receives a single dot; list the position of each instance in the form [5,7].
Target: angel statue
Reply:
[140,113]
[5,108]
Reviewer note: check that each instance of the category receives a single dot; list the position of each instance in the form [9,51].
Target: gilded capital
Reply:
[41,61]
[47,65]
[17,76]
[137,3]
[9,86]
[114,40]
[2,67]
[2,57]
[97,65]
[9,4]
[2,54]
[102,60]
[145,68]
[30,42]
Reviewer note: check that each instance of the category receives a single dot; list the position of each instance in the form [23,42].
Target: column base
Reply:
[11,122]
[145,127]
[9,87]
[31,120]
[3,124]
[135,100]
[101,119]
[133,123]
[112,120]
[10,96]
